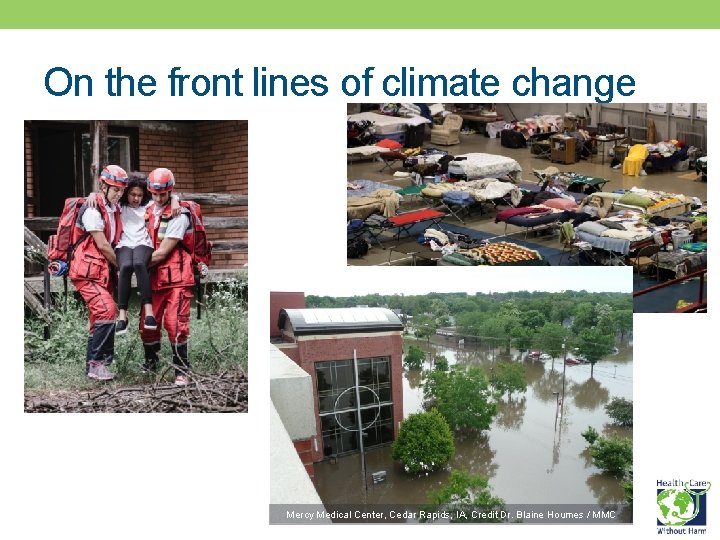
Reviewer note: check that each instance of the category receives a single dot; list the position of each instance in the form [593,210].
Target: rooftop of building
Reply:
[332,320]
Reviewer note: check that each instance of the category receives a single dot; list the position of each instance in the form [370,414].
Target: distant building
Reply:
[447,331]
[323,342]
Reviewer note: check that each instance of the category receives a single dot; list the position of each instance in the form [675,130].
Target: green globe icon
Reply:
[675,506]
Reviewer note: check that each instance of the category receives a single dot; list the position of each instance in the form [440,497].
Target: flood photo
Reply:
[504,407]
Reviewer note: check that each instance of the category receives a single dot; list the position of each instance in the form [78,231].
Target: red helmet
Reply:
[114,176]
[160,180]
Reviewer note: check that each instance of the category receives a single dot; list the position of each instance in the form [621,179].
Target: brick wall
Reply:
[221,165]
[168,146]
[304,450]
[29,188]
[341,348]
[205,157]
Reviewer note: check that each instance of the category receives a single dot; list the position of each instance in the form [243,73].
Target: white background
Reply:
[195,476]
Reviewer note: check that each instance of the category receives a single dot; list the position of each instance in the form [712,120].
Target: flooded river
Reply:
[527,455]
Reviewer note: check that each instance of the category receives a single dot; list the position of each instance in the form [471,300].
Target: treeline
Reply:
[479,313]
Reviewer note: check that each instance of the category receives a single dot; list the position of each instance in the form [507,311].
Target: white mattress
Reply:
[486,166]
[384,121]
[368,150]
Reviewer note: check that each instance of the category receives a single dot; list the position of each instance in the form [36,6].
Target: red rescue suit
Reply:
[91,274]
[172,282]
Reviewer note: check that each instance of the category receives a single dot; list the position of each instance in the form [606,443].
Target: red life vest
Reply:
[88,262]
[177,268]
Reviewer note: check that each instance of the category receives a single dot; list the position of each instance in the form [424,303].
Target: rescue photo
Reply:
[136,266]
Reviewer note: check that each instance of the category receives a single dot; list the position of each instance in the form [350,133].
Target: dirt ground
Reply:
[227,392]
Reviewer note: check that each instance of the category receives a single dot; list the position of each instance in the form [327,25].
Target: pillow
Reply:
[457,197]
[633,199]
[592,227]
[389,143]
[561,204]
[608,195]
[432,191]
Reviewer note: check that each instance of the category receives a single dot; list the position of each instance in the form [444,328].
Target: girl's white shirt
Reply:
[134,231]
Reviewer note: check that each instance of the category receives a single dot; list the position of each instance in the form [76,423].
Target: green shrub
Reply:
[467,498]
[68,334]
[414,358]
[627,485]
[612,455]
[621,411]
[590,435]
[424,443]
[441,363]
[217,342]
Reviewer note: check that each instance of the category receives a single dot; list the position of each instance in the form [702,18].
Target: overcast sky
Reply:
[423,280]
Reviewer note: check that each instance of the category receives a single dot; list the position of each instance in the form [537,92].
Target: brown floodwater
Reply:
[527,456]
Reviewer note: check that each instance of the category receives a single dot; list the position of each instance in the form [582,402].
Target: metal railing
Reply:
[701,302]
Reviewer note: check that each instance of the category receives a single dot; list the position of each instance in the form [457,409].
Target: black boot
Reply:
[88,354]
[151,357]
[180,358]
[181,363]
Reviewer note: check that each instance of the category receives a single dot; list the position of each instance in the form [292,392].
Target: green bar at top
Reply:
[370,14]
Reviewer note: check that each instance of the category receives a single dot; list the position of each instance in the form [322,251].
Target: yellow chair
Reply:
[449,132]
[633,163]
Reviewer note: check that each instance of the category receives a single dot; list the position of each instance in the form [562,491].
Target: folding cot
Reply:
[411,191]
[586,185]
[456,197]
[402,223]
[531,218]
[456,202]
[578,186]
[462,202]
[390,158]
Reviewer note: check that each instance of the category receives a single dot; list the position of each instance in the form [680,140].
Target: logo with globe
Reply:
[680,506]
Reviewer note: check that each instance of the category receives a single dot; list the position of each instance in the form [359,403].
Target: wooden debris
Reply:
[227,392]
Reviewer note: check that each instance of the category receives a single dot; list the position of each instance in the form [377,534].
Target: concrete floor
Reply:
[671,181]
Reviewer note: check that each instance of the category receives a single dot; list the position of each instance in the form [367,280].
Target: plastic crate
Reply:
[681,237]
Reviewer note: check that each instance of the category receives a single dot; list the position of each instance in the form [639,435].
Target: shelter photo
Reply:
[534,184]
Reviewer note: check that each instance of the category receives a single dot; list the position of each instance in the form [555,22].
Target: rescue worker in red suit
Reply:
[172,276]
[98,230]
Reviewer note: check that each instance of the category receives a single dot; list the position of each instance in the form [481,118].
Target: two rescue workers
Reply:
[172,276]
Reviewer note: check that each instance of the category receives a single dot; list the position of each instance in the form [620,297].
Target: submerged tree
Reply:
[414,357]
[441,363]
[621,411]
[466,498]
[623,319]
[425,326]
[509,377]
[424,443]
[627,485]
[590,435]
[613,455]
[550,337]
[522,337]
[462,396]
[594,345]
